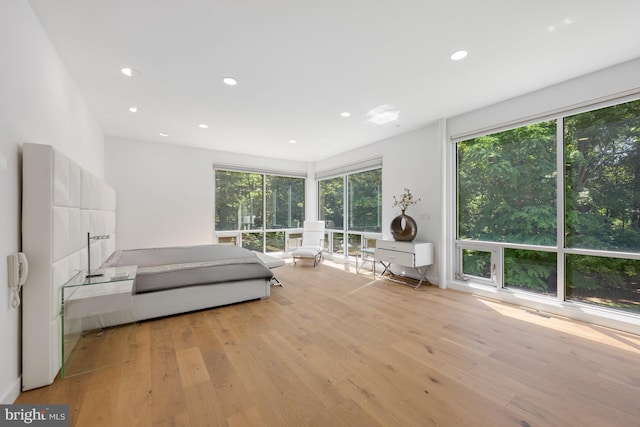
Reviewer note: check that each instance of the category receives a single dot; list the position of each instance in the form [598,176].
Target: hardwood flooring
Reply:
[332,348]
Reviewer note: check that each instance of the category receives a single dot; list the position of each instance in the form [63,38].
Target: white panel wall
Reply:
[38,103]
[166,193]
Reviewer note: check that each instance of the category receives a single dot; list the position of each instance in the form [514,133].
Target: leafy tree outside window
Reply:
[363,199]
[506,198]
[246,201]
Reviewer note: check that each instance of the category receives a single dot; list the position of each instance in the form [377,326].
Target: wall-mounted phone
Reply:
[17,270]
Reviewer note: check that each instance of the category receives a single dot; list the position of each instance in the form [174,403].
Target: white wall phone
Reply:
[17,270]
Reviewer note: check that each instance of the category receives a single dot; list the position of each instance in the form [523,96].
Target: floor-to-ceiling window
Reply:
[256,210]
[553,208]
[351,206]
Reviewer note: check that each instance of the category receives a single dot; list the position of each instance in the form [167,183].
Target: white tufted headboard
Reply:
[61,202]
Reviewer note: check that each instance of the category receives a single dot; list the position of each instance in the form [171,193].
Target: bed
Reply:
[61,203]
[175,280]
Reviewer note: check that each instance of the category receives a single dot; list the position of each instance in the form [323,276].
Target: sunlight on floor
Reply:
[601,334]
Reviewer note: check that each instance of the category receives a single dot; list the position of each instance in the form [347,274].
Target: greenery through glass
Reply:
[476,263]
[608,282]
[507,186]
[284,202]
[507,194]
[365,201]
[243,198]
[331,202]
[532,271]
[239,200]
[602,155]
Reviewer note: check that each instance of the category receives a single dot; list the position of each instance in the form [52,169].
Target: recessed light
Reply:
[203,126]
[133,109]
[457,56]
[230,81]
[345,114]
[129,72]
[292,141]
[164,134]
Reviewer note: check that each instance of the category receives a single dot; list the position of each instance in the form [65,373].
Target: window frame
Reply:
[238,234]
[346,251]
[455,275]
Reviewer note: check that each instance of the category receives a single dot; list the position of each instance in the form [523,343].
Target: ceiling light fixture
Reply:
[133,109]
[292,141]
[458,55]
[129,72]
[203,126]
[345,114]
[164,134]
[230,81]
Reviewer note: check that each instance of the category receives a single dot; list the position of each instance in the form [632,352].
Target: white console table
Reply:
[418,255]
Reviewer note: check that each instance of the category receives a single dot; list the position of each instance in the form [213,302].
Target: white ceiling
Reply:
[300,63]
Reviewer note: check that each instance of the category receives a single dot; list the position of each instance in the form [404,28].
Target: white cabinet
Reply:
[409,254]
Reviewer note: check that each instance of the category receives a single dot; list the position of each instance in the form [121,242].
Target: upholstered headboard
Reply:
[61,202]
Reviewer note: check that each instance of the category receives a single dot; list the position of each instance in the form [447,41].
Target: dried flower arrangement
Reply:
[406,199]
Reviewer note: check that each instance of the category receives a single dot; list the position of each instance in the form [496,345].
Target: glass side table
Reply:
[366,255]
[83,301]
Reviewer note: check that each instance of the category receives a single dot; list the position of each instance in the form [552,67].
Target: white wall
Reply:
[411,160]
[166,193]
[38,103]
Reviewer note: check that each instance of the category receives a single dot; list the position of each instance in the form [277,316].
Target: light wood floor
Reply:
[332,348]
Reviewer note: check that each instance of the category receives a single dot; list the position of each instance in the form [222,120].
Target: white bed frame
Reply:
[61,202]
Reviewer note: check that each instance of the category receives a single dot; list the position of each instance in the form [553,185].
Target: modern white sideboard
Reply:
[418,255]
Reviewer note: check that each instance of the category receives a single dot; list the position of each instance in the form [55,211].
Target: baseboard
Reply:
[12,393]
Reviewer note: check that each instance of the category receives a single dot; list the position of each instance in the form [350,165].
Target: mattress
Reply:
[175,267]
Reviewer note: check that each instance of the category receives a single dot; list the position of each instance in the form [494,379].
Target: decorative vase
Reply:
[404,228]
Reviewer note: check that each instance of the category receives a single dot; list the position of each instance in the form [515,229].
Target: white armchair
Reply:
[312,242]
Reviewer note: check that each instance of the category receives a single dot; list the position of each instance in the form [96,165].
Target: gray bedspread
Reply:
[168,268]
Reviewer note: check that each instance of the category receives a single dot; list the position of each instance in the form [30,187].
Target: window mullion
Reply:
[560,208]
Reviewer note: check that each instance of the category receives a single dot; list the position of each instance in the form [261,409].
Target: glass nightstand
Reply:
[83,301]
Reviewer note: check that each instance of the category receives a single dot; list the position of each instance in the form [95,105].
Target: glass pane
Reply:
[295,240]
[284,202]
[238,200]
[533,271]
[608,282]
[476,263]
[275,241]
[252,241]
[331,202]
[602,154]
[338,243]
[507,186]
[355,241]
[365,201]
[228,240]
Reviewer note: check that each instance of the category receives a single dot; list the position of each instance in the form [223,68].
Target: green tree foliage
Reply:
[365,201]
[602,154]
[507,186]
[331,202]
[507,193]
[602,204]
[239,199]
[284,202]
